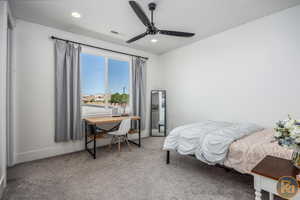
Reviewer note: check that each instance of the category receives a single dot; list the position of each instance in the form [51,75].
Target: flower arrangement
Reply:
[287,133]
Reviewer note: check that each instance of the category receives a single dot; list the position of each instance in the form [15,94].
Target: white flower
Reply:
[287,133]
[293,135]
[295,132]
[278,134]
[290,124]
[297,140]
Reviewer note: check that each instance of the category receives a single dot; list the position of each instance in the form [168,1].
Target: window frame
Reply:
[107,56]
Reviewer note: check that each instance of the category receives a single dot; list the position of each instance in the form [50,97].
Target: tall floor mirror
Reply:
[158,114]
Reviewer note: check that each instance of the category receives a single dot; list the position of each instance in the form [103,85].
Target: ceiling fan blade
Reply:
[176,33]
[140,13]
[137,37]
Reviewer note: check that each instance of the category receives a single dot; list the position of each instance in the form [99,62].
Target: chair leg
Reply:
[126,139]
[111,142]
[119,144]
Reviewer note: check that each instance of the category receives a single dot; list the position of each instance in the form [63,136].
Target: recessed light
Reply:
[76,15]
[154,40]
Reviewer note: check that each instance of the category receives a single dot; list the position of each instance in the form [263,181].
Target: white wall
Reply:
[249,73]
[35,89]
[6,26]
[3,56]
[4,13]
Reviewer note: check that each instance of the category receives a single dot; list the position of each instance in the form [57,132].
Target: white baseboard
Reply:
[2,186]
[48,152]
[60,149]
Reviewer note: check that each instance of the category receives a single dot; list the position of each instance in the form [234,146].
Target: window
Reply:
[105,83]
[93,79]
[118,83]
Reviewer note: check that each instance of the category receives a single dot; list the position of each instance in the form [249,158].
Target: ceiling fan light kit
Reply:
[76,14]
[154,40]
[151,29]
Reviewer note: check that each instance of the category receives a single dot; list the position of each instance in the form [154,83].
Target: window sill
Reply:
[96,115]
[95,111]
[97,106]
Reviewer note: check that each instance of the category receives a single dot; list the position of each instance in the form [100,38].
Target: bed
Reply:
[239,146]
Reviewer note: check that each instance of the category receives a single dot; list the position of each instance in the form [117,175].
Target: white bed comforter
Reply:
[209,141]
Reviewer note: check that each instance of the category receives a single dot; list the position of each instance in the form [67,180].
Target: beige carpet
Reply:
[137,175]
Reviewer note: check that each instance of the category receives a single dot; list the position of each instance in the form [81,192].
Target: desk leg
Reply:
[139,133]
[159,128]
[91,151]
[139,143]
[86,132]
[94,132]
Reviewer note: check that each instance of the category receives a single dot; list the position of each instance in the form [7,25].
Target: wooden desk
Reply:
[93,122]
[269,171]
[105,120]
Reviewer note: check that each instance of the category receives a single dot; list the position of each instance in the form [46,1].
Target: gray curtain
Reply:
[67,92]
[139,89]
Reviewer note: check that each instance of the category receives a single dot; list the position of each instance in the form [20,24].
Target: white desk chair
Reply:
[121,134]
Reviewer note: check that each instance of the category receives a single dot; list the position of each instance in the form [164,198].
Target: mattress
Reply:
[242,154]
[245,153]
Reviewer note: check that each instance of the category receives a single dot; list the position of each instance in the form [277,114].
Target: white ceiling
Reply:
[99,17]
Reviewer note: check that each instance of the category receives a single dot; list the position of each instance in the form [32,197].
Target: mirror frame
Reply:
[165,114]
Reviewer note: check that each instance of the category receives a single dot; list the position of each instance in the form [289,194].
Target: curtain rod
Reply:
[119,52]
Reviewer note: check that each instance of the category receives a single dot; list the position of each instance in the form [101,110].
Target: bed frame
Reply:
[168,157]
[193,156]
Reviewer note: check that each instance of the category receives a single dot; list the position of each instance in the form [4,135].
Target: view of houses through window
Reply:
[105,83]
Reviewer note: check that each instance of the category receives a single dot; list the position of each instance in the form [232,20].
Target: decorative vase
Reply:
[296,159]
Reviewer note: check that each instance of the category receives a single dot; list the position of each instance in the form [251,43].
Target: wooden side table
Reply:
[268,172]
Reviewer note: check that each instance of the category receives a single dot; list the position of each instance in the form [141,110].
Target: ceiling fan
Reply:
[151,29]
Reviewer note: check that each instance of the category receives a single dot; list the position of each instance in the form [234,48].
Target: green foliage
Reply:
[119,98]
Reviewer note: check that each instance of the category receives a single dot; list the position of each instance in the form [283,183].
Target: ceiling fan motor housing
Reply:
[152,30]
[152,6]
